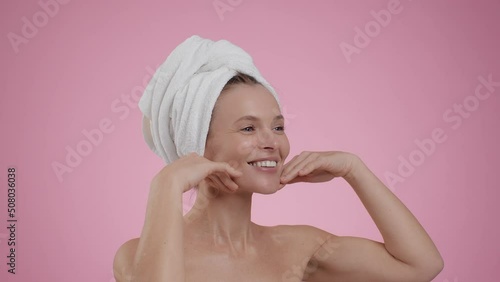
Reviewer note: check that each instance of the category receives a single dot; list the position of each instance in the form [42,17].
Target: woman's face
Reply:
[247,131]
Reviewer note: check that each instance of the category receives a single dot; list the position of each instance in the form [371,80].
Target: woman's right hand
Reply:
[190,170]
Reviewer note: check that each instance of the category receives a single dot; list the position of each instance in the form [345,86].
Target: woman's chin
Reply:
[260,180]
[261,187]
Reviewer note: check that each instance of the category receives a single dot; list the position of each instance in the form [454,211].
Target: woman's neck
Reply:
[223,219]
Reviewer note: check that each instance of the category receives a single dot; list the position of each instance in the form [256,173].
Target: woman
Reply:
[245,153]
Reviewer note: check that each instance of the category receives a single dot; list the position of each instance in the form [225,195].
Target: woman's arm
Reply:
[158,255]
[404,237]
[407,254]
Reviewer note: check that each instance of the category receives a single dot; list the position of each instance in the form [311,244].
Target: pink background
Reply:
[73,71]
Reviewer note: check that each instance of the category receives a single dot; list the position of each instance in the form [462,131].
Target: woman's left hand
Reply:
[318,167]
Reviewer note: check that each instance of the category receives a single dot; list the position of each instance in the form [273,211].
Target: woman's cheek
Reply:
[245,147]
[285,147]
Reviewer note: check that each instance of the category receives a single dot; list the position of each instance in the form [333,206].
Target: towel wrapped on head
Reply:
[178,102]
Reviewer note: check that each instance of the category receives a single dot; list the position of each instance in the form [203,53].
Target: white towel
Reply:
[178,101]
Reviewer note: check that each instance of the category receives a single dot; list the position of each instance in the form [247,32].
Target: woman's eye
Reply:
[280,128]
[248,128]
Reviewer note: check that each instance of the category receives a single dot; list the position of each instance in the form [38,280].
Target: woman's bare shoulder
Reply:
[123,260]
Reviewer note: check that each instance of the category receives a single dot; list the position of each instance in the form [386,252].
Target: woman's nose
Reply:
[267,139]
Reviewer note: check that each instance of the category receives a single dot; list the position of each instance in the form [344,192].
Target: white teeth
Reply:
[264,164]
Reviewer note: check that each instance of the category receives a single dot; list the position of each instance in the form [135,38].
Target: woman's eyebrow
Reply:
[278,117]
[254,118]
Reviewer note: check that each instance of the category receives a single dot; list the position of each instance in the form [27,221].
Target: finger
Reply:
[227,182]
[234,171]
[211,193]
[224,181]
[289,165]
[212,182]
[300,164]
[234,164]
[281,185]
[300,160]
[216,183]
[308,168]
[298,179]
[224,167]
[231,170]
[293,162]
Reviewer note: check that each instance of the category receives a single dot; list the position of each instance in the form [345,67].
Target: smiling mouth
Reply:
[264,164]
